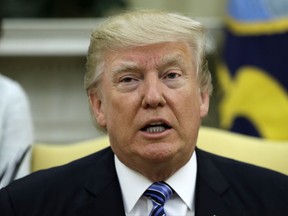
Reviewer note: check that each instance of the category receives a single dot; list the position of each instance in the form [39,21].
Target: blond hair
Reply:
[140,28]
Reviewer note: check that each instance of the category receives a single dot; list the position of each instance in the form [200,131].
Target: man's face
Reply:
[150,102]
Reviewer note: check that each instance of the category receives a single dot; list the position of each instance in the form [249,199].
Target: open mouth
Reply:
[157,127]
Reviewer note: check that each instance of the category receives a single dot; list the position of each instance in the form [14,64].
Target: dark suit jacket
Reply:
[90,186]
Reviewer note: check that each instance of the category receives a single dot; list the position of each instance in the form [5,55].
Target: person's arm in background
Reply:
[16,126]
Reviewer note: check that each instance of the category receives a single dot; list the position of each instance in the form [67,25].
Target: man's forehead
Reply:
[134,63]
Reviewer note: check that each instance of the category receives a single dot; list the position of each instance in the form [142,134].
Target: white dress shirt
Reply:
[133,185]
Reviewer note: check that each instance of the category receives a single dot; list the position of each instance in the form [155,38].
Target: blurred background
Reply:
[44,44]
[43,47]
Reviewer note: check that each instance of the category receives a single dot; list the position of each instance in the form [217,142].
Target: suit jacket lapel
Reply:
[214,195]
[102,193]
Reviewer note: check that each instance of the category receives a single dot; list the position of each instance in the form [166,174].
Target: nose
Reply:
[153,93]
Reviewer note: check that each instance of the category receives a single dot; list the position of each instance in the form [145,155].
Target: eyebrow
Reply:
[126,66]
[172,60]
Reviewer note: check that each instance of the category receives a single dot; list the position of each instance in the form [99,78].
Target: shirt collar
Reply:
[133,184]
[183,182]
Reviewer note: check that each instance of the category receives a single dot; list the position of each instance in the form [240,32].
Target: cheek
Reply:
[120,111]
[188,107]
[190,98]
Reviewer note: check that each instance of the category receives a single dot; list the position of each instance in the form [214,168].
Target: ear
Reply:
[96,107]
[204,104]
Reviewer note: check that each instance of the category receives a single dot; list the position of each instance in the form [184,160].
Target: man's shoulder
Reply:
[10,86]
[238,166]
[239,173]
[68,175]
[63,190]
[244,186]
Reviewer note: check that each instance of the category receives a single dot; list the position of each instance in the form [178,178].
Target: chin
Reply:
[159,152]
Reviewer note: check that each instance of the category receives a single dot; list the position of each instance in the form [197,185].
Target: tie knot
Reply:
[159,193]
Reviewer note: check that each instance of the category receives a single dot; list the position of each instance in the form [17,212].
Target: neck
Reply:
[160,171]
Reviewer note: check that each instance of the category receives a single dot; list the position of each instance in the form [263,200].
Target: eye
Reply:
[128,82]
[127,79]
[173,78]
[172,75]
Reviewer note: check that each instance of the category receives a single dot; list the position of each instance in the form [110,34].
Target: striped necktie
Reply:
[159,193]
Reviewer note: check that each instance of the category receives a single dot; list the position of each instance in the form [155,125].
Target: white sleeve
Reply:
[17,127]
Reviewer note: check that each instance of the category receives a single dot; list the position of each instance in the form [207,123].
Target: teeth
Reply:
[155,129]
[156,123]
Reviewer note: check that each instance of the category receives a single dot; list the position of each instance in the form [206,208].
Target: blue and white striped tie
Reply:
[159,193]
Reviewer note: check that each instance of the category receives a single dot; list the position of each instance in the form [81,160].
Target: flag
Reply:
[253,75]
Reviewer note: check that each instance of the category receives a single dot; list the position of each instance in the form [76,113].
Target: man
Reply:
[148,87]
